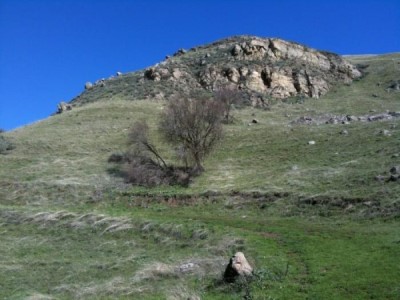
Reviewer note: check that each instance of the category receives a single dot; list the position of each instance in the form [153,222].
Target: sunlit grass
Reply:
[312,219]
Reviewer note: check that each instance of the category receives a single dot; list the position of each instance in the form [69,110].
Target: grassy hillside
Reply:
[312,219]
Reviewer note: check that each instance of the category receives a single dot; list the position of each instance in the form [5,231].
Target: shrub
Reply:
[5,145]
[144,171]
[143,164]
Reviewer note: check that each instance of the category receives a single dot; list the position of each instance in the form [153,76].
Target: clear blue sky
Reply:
[50,48]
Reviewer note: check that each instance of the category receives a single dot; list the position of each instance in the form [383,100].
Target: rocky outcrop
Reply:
[274,67]
[262,68]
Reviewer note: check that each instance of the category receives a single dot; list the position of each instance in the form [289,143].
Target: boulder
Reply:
[380,178]
[385,132]
[188,267]
[237,266]
[100,81]
[62,107]
[351,118]
[88,85]
[152,74]
[379,117]
[180,52]
[236,50]
[395,170]
[394,86]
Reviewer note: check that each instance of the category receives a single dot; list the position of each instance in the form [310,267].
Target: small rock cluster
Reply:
[345,119]
[158,74]
[101,82]
[394,175]
[62,107]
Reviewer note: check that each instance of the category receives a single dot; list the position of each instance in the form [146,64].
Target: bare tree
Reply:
[193,124]
[139,138]
[145,166]
[228,95]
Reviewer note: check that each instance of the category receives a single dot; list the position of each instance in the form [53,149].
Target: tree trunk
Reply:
[198,168]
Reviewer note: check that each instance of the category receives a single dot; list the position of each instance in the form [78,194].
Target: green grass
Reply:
[311,219]
[326,258]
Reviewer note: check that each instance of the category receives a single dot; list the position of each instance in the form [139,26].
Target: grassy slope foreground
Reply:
[312,219]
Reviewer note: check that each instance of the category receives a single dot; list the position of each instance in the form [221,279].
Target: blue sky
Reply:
[50,48]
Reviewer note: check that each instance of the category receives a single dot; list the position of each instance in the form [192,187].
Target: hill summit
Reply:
[263,68]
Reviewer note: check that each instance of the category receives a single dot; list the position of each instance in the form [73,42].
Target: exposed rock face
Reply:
[277,68]
[262,68]
[238,266]
[282,69]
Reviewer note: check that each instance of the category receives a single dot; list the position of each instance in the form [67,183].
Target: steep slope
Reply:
[71,149]
[315,219]
[263,68]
